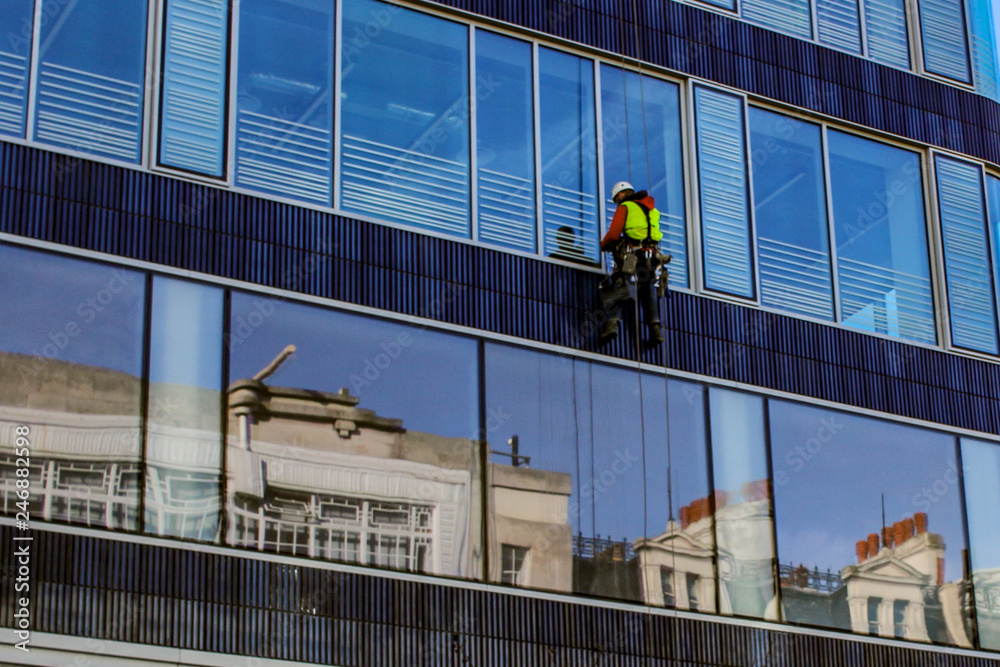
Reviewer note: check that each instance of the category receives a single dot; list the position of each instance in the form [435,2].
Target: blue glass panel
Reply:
[790,208]
[71,340]
[679,543]
[971,302]
[881,238]
[993,203]
[91,73]
[505,142]
[399,371]
[545,400]
[725,4]
[981,473]
[642,145]
[16,21]
[983,18]
[885,21]
[839,24]
[722,176]
[942,23]
[405,118]
[284,111]
[195,63]
[183,438]
[742,504]
[569,153]
[362,446]
[837,477]
[792,17]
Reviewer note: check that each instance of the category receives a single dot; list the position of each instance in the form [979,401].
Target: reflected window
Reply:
[693,581]
[793,246]
[284,111]
[70,369]
[512,569]
[183,444]
[834,472]
[667,586]
[16,21]
[405,118]
[641,132]
[742,505]
[352,439]
[91,77]
[195,67]
[874,604]
[505,142]
[569,152]
[881,238]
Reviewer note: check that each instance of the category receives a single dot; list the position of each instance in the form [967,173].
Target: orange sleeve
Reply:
[616,229]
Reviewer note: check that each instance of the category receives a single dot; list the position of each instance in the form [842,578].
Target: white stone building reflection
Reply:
[314,474]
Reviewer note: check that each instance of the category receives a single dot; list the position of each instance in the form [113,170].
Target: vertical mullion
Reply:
[863,24]
[473,143]
[602,221]
[34,62]
[751,209]
[775,562]
[537,110]
[148,81]
[143,472]
[223,529]
[229,132]
[830,228]
[966,553]
[338,22]
[706,408]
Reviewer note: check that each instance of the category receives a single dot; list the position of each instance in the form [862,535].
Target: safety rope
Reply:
[638,336]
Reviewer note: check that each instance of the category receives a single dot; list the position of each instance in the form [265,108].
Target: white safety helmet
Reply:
[619,187]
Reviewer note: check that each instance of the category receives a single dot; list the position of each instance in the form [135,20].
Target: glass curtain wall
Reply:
[505,143]
[641,136]
[71,355]
[405,156]
[91,77]
[183,444]
[727,233]
[195,70]
[966,244]
[981,477]
[569,154]
[881,238]
[284,104]
[869,525]
[786,157]
[352,439]
[16,23]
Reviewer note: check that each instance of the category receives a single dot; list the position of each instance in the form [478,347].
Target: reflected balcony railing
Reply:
[800,576]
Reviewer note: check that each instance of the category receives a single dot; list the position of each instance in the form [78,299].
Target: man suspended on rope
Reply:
[633,239]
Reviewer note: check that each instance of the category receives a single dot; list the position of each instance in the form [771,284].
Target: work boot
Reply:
[609,331]
[656,333]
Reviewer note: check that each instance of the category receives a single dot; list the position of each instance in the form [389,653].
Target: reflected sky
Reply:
[830,471]
[71,309]
[426,378]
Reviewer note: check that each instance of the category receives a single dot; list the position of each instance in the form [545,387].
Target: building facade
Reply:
[298,333]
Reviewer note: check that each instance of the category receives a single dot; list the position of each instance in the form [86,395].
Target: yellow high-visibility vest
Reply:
[636,226]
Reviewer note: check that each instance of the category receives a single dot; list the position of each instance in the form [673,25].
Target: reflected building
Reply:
[314,474]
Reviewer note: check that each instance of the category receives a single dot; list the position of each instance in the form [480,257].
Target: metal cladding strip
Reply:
[729,51]
[192,227]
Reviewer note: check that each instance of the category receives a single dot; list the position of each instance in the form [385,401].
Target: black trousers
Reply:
[614,292]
